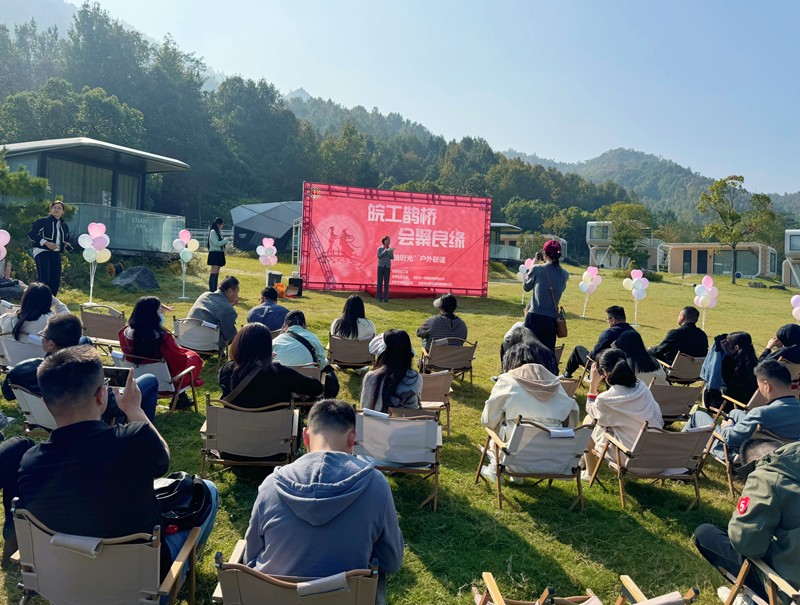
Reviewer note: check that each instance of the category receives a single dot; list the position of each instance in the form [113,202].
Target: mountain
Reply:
[300,93]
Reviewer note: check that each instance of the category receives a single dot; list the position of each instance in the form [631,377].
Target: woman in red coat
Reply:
[146,336]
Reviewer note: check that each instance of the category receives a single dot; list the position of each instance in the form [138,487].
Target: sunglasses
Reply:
[103,386]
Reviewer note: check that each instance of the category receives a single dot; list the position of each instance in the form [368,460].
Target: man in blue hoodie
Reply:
[327,512]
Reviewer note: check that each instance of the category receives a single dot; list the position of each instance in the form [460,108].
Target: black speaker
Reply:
[274,277]
[296,282]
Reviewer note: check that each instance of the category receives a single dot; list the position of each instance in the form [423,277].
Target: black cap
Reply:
[447,302]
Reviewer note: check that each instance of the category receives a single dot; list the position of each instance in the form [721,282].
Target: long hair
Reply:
[215,226]
[554,257]
[630,343]
[391,366]
[147,328]
[536,352]
[618,370]
[346,326]
[744,360]
[251,348]
[36,302]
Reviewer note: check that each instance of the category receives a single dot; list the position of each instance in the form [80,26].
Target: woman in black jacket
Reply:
[50,237]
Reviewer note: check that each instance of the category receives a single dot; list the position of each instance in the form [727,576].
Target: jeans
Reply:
[148,385]
[715,546]
[543,328]
[48,267]
[700,418]
[383,282]
[576,359]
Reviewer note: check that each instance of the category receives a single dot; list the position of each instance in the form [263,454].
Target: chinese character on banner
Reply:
[423,237]
[411,215]
[456,239]
[394,218]
[440,239]
[428,216]
[376,212]
[406,237]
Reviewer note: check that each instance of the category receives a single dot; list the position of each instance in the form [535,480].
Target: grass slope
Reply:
[447,551]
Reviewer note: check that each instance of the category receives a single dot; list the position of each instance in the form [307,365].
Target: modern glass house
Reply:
[106,184]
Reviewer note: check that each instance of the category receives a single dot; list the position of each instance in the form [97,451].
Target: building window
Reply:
[513,242]
[773,262]
[687,261]
[127,191]
[79,183]
[28,162]
[794,243]
[598,232]
[746,263]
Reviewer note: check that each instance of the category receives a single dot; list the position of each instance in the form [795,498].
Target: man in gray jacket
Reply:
[327,512]
[217,308]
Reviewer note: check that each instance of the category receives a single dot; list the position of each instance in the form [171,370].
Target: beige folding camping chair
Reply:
[629,592]
[492,596]
[684,369]
[38,419]
[312,370]
[454,354]
[266,436]
[275,333]
[62,568]
[413,443]
[571,385]
[199,336]
[774,584]
[7,307]
[168,385]
[435,396]
[794,368]
[537,452]
[102,324]
[657,454]
[29,346]
[242,585]
[348,352]
[413,413]
[675,401]
[559,351]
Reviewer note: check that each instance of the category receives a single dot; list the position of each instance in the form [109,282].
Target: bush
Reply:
[23,267]
[650,275]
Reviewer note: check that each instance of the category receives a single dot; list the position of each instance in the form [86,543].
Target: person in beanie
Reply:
[443,325]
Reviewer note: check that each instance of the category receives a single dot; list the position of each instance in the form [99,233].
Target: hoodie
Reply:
[407,394]
[622,411]
[766,522]
[789,335]
[444,325]
[326,513]
[532,392]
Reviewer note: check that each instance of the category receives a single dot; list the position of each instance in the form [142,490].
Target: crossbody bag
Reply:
[561,319]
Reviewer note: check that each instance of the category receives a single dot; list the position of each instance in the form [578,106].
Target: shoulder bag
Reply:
[241,386]
[561,320]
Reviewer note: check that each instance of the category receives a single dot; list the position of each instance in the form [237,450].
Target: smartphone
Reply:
[117,377]
[539,255]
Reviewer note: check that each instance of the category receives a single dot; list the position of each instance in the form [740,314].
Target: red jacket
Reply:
[177,358]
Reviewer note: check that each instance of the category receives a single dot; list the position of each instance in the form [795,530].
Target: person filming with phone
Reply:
[385,257]
[548,281]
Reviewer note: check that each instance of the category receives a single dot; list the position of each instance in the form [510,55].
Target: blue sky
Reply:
[710,85]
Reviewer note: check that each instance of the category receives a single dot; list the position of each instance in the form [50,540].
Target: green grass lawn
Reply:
[447,551]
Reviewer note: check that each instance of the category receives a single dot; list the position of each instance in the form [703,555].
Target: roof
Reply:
[505,226]
[701,245]
[273,219]
[90,150]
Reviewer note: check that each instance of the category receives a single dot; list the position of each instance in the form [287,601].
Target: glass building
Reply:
[106,184]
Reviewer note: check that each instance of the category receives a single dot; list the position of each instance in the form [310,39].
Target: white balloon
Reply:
[178,245]
[85,241]
[260,251]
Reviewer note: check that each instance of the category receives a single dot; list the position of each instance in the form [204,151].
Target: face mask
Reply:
[160,318]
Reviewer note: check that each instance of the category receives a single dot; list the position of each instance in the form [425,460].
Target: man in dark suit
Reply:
[688,338]
[617,324]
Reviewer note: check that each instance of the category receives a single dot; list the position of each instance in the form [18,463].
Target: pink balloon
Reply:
[5,237]
[712,292]
[273,260]
[185,235]
[795,311]
[636,274]
[712,304]
[795,299]
[267,241]
[99,243]
[645,282]
[697,301]
[96,229]
[264,260]
[591,288]
[597,280]
[2,252]
[592,271]
[528,263]
[708,281]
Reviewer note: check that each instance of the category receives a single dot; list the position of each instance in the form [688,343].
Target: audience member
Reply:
[520,324]
[11,452]
[64,331]
[687,338]
[786,343]
[269,312]
[444,325]
[766,522]
[146,336]
[216,308]
[297,346]
[548,281]
[38,304]
[89,479]
[526,338]
[327,512]
[392,383]
[621,410]
[353,322]
[738,366]
[615,317]
[645,366]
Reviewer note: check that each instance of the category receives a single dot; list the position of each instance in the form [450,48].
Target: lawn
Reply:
[447,551]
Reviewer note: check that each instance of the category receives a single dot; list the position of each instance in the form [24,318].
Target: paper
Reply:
[374,413]
[34,339]
[206,324]
[116,354]
[562,434]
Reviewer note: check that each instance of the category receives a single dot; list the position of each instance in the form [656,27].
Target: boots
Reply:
[212,282]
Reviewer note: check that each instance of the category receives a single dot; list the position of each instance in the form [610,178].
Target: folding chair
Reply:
[412,442]
[413,413]
[312,370]
[794,368]
[242,585]
[571,385]
[199,336]
[275,333]
[675,401]
[559,351]
[66,569]
[445,355]
[435,396]
[772,582]
[102,324]
[348,352]
[168,385]
[268,435]
[629,592]
[16,351]
[653,449]
[492,596]
[38,419]
[543,453]
[684,369]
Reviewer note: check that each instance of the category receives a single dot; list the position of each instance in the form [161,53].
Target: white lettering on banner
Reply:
[376,212]
[394,210]
[406,237]
[456,239]
[439,239]
[412,215]
[429,238]
[423,237]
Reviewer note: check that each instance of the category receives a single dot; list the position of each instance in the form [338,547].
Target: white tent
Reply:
[253,222]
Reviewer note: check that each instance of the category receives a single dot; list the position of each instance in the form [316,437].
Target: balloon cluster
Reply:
[185,245]
[5,237]
[590,280]
[706,294]
[95,244]
[795,300]
[524,268]
[637,284]
[267,252]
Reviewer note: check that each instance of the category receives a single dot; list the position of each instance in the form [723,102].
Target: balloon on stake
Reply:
[95,250]
[184,246]
[706,296]
[5,237]
[523,273]
[588,284]
[795,305]
[637,284]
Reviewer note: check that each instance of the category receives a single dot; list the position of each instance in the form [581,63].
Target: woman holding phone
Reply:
[548,281]
[385,256]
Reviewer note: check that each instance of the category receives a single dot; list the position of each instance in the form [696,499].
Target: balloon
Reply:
[185,235]
[637,274]
[108,239]
[270,251]
[96,229]
[796,313]
[591,288]
[267,241]
[2,252]
[582,287]
[586,279]
[520,275]
[697,301]
[713,303]
[705,301]
[273,260]
[795,299]
[528,262]
[193,245]
[597,280]
[637,284]
[5,237]
[104,255]
[90,255]
[186,256]
[627,283]
[264,260]
[592,271]
[640,294]
[708,281]
[85,241]
[645,282]
[99,243]
[178,245]
[712,292]
[260,251]
[700,290]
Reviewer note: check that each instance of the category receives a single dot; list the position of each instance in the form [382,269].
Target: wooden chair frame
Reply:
[629,592]
[773,583]
[670,367]
[220,352]
[492,596]
[571,385]
[428,360]
[441,404]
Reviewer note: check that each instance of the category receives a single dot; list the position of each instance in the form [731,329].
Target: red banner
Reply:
[441,242]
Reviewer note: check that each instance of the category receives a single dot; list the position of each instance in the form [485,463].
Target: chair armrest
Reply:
[782,584]
[738,404]
[174,572]
[718,436]
[669,367]
[204,428]
[178,377]
[15,558]
[497,440]
[631,590]
[492,589]
[618,444]
[238,552]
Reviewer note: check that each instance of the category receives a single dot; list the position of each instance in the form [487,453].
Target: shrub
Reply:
[650,275]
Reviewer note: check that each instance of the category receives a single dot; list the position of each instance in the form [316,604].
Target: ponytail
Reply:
[618,371]
[554,257]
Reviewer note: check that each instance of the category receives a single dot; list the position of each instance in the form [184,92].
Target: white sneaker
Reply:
[361,371]
[587,380]
[723,592]
[586,476]
[565,375]
[488,472]
[517,480]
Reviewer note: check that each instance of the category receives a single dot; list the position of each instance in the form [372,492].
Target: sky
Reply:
[710,85]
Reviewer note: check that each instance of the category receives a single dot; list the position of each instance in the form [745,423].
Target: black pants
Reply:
[543,328]
[576,359]
[11,452]
[331,383]
[383,282]
[48,266]
[715,546]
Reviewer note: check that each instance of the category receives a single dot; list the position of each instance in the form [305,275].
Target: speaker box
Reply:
[296,282]
[275,277]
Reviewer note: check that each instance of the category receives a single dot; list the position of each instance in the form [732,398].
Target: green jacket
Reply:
[216,243]
[766,523]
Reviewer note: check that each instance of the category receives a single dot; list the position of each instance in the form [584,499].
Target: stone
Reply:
[756,284]
[12,290]
[136,278]
[778,287]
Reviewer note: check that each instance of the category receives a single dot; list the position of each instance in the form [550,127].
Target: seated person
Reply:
[89,479]
[353,323]
[687,338]
[766,521]
[738,366]
[645,366]
[393,383]
[504,346]
[297,346]
[786,343]
[269,312]
[781,416]
[217,308]
[328,512]
[621,410]
[38,304]
[615,316]
[11,452]
[443,325]
[60,332]
[146,336]
[526,388]
[523,335]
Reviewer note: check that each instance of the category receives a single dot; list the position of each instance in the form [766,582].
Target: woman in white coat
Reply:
[38,303]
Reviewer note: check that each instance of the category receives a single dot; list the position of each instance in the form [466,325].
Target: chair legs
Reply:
[737,586]
[580,492]
[620,479]
[483,457]
[696,494]
[447,409]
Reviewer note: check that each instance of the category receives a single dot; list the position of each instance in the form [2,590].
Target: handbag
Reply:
[561,319]
[184,500]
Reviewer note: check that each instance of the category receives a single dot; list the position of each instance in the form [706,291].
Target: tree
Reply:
[529,244]
[556,225]
[629,224]
[729,225]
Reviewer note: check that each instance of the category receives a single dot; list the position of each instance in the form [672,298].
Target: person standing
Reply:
[50,237]
[548,281]
[216,252]
[385,257]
